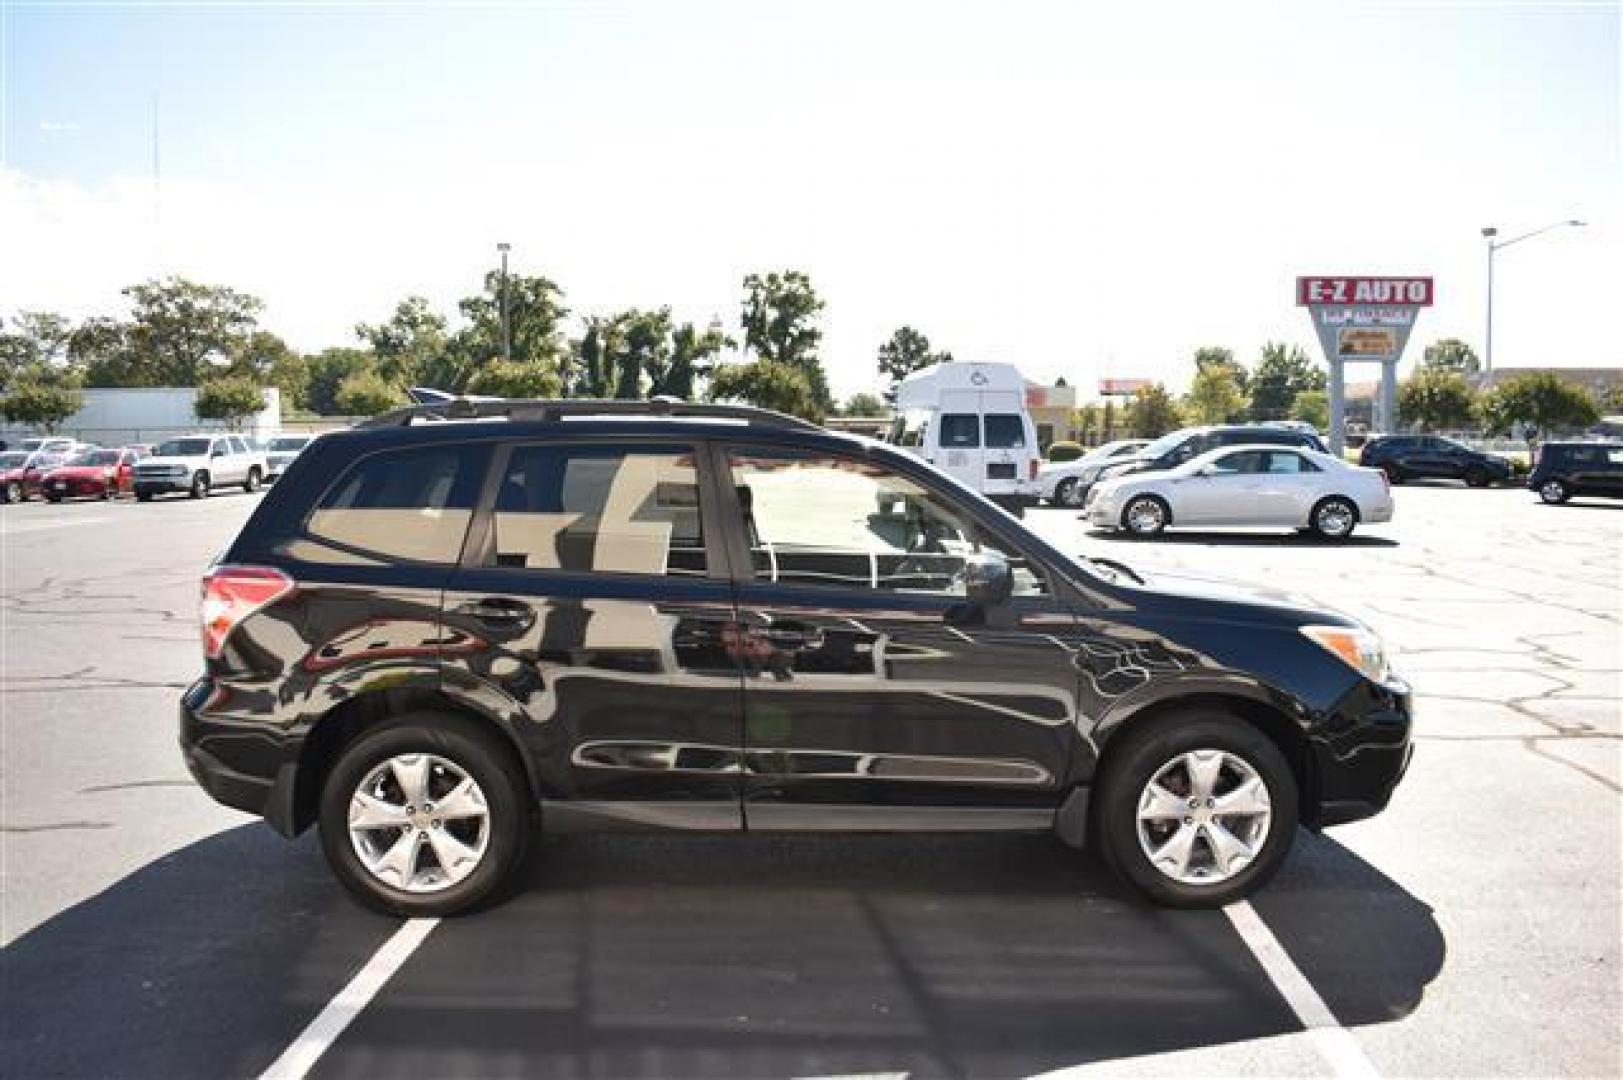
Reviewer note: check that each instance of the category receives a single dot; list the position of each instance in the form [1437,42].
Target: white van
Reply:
[970,420]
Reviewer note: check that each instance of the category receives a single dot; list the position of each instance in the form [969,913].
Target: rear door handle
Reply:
[499,611]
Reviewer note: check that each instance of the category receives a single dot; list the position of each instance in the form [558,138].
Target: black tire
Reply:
[1554,492]
[51,497]
[1148,523]
[143,496]
[251,484]
[200,485]
[1140,753]
[1394,475]
[474,750]
[1477,478]
[1333,518]
[1068,492]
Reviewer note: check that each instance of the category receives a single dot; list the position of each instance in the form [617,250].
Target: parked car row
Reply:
[57,468]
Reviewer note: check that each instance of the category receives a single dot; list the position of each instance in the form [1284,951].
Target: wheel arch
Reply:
[349,720]
[1271,718]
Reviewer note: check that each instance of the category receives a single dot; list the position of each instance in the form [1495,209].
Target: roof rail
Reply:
[549,410]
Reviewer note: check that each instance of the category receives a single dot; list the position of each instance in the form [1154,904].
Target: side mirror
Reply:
[1206,470]
[988,581]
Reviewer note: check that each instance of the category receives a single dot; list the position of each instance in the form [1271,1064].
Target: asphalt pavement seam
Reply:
[301,1056]
[1334,1043]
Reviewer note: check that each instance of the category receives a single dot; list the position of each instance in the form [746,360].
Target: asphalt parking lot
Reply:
[1474,929]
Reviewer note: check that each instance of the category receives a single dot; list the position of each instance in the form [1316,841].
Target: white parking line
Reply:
[306,1050]
[1334,1042]
[12,528]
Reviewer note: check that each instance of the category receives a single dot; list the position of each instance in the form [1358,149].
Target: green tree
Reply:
[1085,420]
[640,347]
[1436,398]
[413,347]
[100,348]
[1283,372]
[1154,412]
[593,368]
[780,326]
[367,393]
[328,370]
[864,405]
[769,385]
[535,317]
[1312,406]
[41,396]
[36,339]
[1217,356]
[1539,403]
[907,351]
[1215,396]
[1451,354]
[229,398]
[178,328]
[519,379]
[691,359]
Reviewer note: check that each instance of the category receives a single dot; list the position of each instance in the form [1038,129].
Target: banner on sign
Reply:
[1311,291]
[1366,342]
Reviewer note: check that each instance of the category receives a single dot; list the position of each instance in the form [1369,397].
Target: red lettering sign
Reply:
[1364,290]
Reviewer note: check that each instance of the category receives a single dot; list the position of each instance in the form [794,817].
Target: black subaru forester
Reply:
[460,622]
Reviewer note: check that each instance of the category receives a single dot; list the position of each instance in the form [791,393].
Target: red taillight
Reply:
[231,594]
[1032,467]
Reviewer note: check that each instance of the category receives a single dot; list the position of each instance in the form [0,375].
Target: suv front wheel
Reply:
[1196,810]
[427,816]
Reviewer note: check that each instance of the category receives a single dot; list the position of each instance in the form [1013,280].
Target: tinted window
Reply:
[1242,461]
[1005,430]
[401,504]
[600,509]
[821,520]
[238,445]
[289,442]
[1280,461]
[960,430]
[183,447]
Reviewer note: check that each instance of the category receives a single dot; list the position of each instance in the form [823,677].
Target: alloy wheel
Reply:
[1145,517]
[419,823]
[1203,817]
[1070,492]
[1334,519]
[1553,491]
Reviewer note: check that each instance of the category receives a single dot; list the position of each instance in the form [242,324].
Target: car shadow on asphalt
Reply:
[1243,539]
[699,956]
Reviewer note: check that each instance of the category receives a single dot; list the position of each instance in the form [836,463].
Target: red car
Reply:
[93,473]
[20,473]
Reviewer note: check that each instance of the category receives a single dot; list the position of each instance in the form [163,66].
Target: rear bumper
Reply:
[234,767]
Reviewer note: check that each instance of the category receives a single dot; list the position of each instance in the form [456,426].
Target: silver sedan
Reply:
[1245,486]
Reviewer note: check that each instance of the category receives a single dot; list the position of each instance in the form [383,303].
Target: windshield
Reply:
[293,442]
[1165,444]
[184,447]
[99,457]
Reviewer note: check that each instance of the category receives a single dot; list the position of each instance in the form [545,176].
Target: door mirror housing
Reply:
[1206,470]
[988,581]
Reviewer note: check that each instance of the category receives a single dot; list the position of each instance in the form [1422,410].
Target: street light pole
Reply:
[507,336]
[1488,234]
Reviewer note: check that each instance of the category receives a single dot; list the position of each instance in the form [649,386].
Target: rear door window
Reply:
[1005,431]
[410,504]
[600,509]
[960,431]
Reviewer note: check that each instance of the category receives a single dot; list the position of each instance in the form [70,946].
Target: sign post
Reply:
[1363,320]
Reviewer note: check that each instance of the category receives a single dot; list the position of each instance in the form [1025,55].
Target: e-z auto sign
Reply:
[1363,290]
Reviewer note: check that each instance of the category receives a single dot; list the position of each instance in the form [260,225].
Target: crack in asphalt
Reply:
[1532,747]
[55,826]
[99,788]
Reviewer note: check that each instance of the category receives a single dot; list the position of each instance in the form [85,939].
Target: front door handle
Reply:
[498,611]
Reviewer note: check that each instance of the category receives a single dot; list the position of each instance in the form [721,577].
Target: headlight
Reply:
[1358,648]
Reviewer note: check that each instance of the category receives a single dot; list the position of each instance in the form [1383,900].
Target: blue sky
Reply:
[1081,189]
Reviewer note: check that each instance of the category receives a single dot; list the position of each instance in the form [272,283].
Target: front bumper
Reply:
[1362,753]
[74,489]
[158,485]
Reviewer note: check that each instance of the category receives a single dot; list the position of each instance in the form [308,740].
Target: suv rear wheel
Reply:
[200,485]
[1196,809]
[427,816]
[251,483]
[1476,476]
[1554,492]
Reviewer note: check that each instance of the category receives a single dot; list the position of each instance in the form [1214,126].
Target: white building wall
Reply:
[116,416]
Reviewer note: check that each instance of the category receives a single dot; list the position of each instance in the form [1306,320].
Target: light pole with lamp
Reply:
[1488,234]
[507,337]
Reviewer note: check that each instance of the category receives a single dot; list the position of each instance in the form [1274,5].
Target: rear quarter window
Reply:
[412,504]
[1005,431]
[960,431]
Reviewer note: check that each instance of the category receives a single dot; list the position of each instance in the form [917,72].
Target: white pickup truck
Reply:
[196,464]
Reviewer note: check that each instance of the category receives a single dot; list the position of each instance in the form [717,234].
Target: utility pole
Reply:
[1488,234]
[507,334]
